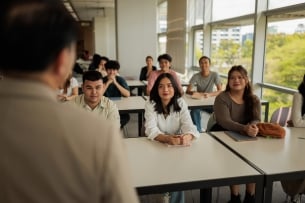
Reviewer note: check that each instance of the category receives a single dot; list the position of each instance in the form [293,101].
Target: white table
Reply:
[278,159]
[136,84]
[157,168]
[134,104]
[208,102]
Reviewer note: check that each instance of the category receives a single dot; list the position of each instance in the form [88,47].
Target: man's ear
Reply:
[60,67]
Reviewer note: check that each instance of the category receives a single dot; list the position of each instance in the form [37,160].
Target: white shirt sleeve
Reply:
[151,124]
[297,118]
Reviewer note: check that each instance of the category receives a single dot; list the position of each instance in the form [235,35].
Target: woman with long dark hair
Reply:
[238,109]
[298,106]
[168,120]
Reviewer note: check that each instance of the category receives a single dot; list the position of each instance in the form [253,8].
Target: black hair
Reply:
[37,31]
[251,102]
[104,58]
[205,57]
[96,59]
[301,89]
[154,95]
[149,57]
[111,64]
[165,57]
[92,75]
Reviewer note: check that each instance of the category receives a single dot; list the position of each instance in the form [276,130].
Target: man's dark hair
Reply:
[92,75]
[34,31]
[104,58]
[111,64]
[165,57]
[205,57]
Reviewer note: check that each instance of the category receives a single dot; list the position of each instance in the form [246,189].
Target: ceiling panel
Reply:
[88,9]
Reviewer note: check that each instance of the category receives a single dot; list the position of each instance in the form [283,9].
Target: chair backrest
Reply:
[281,116]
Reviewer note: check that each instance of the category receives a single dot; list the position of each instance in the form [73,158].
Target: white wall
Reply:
[136,34]
[104,34]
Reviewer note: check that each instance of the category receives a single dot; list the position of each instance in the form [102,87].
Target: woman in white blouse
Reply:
[298,106]
[168,120]
[69,89]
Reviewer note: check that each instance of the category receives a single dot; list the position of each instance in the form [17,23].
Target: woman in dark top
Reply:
[145,71]
[238,109]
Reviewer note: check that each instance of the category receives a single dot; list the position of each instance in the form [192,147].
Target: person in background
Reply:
[92,99]
[69,90]
[238,109]
[165,66]
[95,62]
[101,67]
[116,86]
[298,106]
[146,70]
[50,152]
[84,60]
[204,83]
[167,118]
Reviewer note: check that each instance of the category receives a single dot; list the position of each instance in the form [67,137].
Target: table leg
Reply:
[206,195]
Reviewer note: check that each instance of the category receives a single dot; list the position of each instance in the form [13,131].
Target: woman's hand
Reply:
[180,139]
[251,130]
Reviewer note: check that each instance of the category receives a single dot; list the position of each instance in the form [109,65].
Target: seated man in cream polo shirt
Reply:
[93,100]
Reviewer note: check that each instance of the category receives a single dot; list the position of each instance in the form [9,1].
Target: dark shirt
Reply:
[143,74]
[112,90]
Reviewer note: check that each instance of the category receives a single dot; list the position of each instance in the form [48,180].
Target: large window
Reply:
[198,46]
[162,17]
[223,9]
[162,27]
[281,3]
[195,12]
[285,51]
[232,46]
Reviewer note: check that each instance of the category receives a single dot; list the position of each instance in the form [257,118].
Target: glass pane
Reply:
[281,3]
[162,17]
[276,99]
[228,9]
[285,51]
[162,45]
[232,46]
[198,46]
[195,12]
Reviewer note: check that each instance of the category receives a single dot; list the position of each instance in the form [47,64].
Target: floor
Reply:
[192,196]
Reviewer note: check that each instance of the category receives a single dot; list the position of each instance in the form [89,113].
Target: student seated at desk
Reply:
[298,106]
[203,82]
[69,90]
[165,67]
[116,86]
[92,99]
[146,70]
[167,118]
[238,109]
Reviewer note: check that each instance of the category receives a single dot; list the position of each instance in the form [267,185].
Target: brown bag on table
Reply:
[273,130]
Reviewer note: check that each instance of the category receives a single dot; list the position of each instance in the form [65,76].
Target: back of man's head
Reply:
[33,33]
[111,64]
[92,75]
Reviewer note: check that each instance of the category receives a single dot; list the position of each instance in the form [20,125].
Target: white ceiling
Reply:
[86,10]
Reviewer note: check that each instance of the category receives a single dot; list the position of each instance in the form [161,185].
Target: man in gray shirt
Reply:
[202,85]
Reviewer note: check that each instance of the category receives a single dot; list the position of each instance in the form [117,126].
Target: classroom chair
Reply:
[281,116]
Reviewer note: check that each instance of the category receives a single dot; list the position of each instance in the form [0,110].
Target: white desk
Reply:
[136,84]
[278,159]
[203,103]
[198,103]
[157,168]
[134,104]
